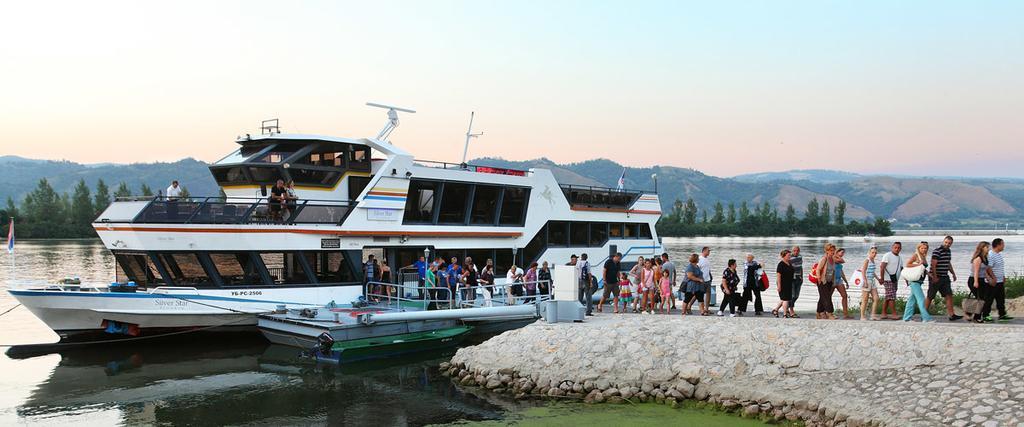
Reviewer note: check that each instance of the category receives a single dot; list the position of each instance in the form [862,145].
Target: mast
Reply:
[469,135]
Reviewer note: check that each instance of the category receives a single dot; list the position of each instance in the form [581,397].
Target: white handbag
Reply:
[912,274]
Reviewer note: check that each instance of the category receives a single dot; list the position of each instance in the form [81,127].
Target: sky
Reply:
[730,87]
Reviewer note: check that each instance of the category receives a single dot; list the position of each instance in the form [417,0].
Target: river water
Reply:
[210,381]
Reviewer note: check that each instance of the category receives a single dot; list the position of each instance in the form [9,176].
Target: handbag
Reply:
[912,274]
[972,305]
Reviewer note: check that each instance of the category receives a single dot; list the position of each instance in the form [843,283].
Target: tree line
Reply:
[44,213]
[819,219]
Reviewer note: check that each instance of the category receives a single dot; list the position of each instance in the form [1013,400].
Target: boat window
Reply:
[356,185]
[265,175]
[419,206]
[513,206]
[238,268]
[480,257]
[138,268]
[230,175]
[502,261]
[330,266]
[632,230]
[186,270]
[359,158]
[284,268]
[645,231]
[485,203]
[332,155]
[278,154]
[453,203]
[558,233]
[598,233]
[615,230]
[579,234]
[317,177]
[536,245]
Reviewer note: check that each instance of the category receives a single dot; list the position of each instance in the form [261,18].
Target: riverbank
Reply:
[821,372]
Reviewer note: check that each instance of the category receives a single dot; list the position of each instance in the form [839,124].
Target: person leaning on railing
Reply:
[544,279]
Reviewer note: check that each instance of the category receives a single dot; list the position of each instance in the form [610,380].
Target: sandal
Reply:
[775,313]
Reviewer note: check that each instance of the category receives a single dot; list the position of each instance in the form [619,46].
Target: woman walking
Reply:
[635,278]
[826,273]
[647,287]
[694,285]
[844,284]
[730,286]
[916,298]
[981,276]
[784,283]
[870,287]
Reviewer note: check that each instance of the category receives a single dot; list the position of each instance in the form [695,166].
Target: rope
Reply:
[10,309]
[121,340]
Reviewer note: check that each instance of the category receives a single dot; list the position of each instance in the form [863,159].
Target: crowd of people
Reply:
[656,285]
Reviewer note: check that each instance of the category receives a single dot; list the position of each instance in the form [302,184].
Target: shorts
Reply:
[610,289]
[890,290]
[942,287]
[666,292]
[870,284]
[699,296]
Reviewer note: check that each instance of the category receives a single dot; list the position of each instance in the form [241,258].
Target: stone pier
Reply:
[842,373]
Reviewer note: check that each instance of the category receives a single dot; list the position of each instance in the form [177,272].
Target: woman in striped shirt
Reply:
[870,285]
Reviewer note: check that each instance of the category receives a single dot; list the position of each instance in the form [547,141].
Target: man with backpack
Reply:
[586,287]
[751,286]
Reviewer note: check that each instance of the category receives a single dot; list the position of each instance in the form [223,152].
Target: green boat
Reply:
[390,345]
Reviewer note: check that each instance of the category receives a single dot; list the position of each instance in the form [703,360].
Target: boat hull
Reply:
[74,313]
[393,345]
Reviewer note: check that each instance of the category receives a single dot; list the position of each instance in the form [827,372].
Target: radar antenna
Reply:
[392,119]
[469,135]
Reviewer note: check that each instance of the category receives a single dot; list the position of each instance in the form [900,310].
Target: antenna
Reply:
[270,127]
[469,135]
[392,119]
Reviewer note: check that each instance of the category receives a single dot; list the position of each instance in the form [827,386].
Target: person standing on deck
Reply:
[705,269]
[173,196]
[998,291]
[797,262]
[454,276]
[544,280]
[939,278]
[890,269]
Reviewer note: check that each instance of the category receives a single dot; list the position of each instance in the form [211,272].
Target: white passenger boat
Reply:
[217,262]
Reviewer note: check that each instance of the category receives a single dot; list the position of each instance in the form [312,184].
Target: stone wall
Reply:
[823,372]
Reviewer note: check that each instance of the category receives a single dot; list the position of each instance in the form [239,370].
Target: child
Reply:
[666,293]
[625,291]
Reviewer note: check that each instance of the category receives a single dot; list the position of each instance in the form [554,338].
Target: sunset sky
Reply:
[896,87]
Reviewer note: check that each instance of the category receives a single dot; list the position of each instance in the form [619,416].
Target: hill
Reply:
[933,202]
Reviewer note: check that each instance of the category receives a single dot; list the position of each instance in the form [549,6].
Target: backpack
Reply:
[812,277]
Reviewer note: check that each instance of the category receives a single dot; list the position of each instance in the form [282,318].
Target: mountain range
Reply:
[930,202]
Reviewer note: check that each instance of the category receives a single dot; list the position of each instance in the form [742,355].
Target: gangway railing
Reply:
[442,297]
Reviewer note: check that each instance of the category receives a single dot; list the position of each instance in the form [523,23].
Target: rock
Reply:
[602,384]
[686,389]
[493,383]
[751,410]
[811,363]
[690,372]
[671,401]
[982,409]
[612,391]
[556,392]
[444,366]
[701,392]
[506,371]
[616,399]
[790,361]
[599,397]
[647,388]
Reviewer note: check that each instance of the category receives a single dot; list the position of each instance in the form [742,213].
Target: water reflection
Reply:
[244,381]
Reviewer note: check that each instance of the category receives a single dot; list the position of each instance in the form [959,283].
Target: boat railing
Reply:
[473,168]
[442,297]
[241,210]
[600,197]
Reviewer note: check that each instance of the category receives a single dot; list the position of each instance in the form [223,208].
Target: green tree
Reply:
[790,215]
[44,213]
[841,212]
[812,212]
[101,199]
[690,212]
[82,210]
[122,191]
[744,211]
[731,218]
[704,216]
[719,216]
[826,213]
[146,191]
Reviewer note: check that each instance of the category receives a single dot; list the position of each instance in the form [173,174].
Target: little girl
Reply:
[666,293]
[625,291]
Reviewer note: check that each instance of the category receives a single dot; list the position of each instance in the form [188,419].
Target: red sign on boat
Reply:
[500,171]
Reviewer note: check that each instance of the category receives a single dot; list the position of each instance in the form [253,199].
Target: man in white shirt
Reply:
[998,292]
[173,193]
[704,264]
[890,268]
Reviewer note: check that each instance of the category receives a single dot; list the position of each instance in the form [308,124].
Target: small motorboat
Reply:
[329,351]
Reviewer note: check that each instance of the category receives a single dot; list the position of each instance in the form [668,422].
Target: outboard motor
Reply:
[324,342]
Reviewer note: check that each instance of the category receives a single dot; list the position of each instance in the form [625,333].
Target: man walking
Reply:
[797,262]
[610,273]
[751,287]
[586,288]
[998,292]
[891,266]
[938,278]
[704,264]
